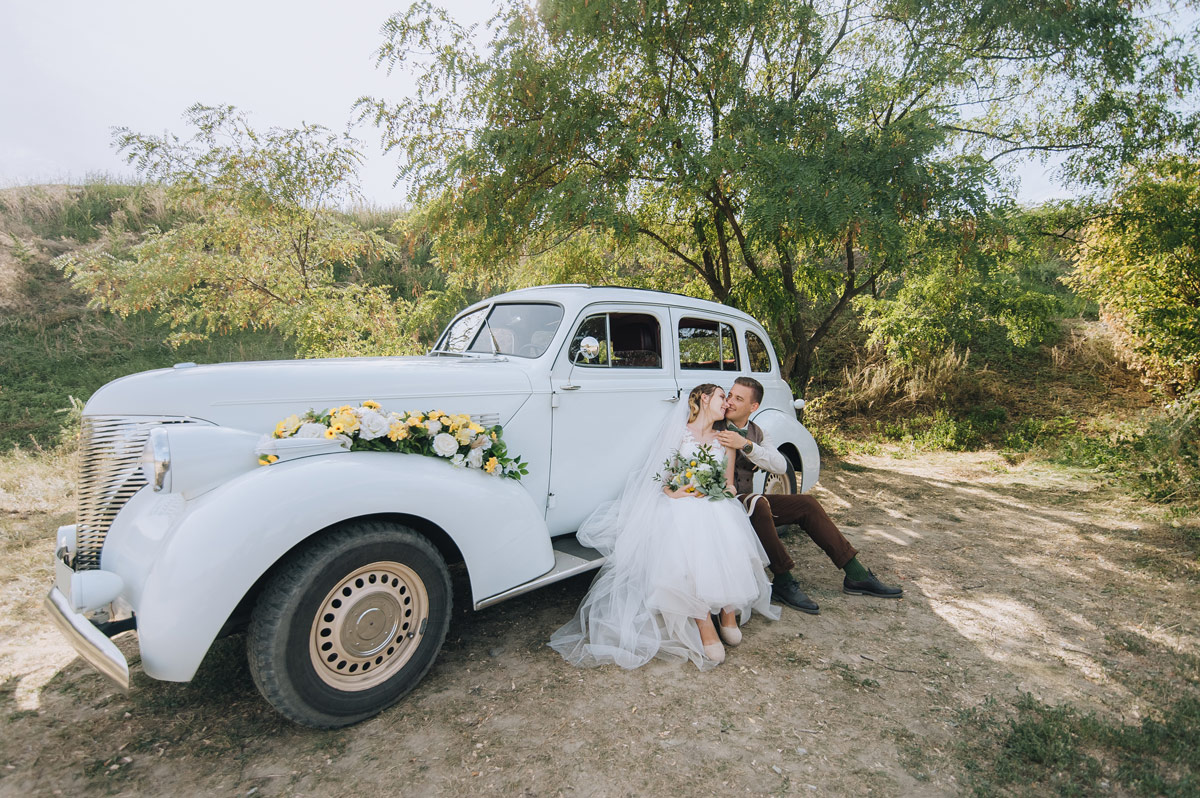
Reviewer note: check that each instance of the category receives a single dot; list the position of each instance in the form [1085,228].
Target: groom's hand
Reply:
[731,440]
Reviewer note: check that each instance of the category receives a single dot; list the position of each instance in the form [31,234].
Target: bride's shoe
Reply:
[713,651]
[732,635]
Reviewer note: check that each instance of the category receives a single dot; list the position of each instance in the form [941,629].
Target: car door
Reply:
[606,410]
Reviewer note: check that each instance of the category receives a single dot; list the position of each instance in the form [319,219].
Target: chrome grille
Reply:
[109,474]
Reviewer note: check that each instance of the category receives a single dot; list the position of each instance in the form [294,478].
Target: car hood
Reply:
[254,396]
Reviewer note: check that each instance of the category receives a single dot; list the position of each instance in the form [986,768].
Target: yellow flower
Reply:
[371,404]
[476,428]
[693,466]
[398,431]
[436,414]
[288,426]
[345,409]
[347,421]
[463,436]
[335,427]
[329,433]
[267,459]
[690,489]
[414,421]
[494,439]
[491,464]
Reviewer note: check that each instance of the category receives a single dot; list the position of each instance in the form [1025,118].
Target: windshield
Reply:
[523,330]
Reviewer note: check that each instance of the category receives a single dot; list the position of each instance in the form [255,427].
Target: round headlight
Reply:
[156,460]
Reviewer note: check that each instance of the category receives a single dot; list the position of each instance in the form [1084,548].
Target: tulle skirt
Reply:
[690,558]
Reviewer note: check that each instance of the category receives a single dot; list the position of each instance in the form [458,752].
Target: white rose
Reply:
[458,461]
[344,441]
[444,444]
[487,443]
[475,458]
[434,426]
[310,429]
[373,425]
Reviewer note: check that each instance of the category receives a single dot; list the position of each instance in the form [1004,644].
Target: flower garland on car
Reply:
[701,474]
[434,433]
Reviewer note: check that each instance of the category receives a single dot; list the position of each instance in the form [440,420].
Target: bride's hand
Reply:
[677,493]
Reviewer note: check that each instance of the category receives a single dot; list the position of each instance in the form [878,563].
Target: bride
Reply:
[674,560]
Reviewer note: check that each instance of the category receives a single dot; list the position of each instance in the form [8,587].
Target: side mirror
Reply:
[589,347]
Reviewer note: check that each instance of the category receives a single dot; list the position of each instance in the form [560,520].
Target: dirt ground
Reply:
[1017,578]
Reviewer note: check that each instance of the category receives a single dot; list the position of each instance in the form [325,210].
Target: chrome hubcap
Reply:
[368,626]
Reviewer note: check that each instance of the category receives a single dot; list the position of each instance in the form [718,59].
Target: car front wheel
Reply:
[350,624]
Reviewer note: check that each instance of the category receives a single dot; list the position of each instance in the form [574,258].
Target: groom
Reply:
[757,451]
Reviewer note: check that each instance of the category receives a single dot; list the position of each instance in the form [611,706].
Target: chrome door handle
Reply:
[569,387]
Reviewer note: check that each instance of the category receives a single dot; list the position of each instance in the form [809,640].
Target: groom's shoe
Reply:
[870,586]
[786,591]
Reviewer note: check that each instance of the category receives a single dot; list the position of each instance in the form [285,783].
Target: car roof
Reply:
[579,294]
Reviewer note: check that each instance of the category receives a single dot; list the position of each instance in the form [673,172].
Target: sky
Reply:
[74,69]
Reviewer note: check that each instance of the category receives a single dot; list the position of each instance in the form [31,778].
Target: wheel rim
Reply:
[368,626]
[776,484]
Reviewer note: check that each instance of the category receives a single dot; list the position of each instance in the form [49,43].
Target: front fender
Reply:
[232,535]
[786,429]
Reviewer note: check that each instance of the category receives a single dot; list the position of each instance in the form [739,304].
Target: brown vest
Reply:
[743,469]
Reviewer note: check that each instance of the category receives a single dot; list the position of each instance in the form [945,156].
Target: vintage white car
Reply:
[335,561]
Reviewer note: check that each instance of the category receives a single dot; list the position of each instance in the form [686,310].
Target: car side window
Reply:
[757,354]
[708,345]
[627,340]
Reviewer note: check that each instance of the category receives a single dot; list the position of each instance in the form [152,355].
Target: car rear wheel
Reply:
[350,624]
[781,483]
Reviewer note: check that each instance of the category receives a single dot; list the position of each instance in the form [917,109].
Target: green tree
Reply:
[262,245]
[1140,260]
[789,155]
[966,285]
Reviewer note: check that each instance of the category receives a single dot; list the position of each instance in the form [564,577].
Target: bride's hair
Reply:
[698,393]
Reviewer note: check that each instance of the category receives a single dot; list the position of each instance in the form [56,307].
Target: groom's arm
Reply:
[766,456]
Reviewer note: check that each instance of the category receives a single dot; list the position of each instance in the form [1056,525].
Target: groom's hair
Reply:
[752,384]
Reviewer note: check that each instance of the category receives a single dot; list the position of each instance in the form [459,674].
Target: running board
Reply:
[570,558]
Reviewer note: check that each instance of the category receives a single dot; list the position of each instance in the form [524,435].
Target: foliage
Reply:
[788,155]
[263,248]
[1141,262]
[967,286]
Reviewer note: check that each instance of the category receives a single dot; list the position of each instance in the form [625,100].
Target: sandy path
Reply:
[1017,579]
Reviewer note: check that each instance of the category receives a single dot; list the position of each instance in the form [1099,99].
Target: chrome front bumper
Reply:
[100,652]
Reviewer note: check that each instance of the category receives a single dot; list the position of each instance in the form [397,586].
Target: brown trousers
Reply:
[778,509]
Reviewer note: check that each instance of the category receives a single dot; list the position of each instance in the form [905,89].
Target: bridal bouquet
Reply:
[702,474]
[368,427]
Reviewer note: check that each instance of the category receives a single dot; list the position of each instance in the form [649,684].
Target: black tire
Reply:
[785,483]
[349,624]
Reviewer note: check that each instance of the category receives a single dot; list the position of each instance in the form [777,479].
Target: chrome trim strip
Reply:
[91,644]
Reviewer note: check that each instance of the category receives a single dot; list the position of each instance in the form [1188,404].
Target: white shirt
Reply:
[766,456]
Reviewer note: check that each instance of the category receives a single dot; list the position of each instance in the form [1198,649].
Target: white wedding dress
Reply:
[669,561]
